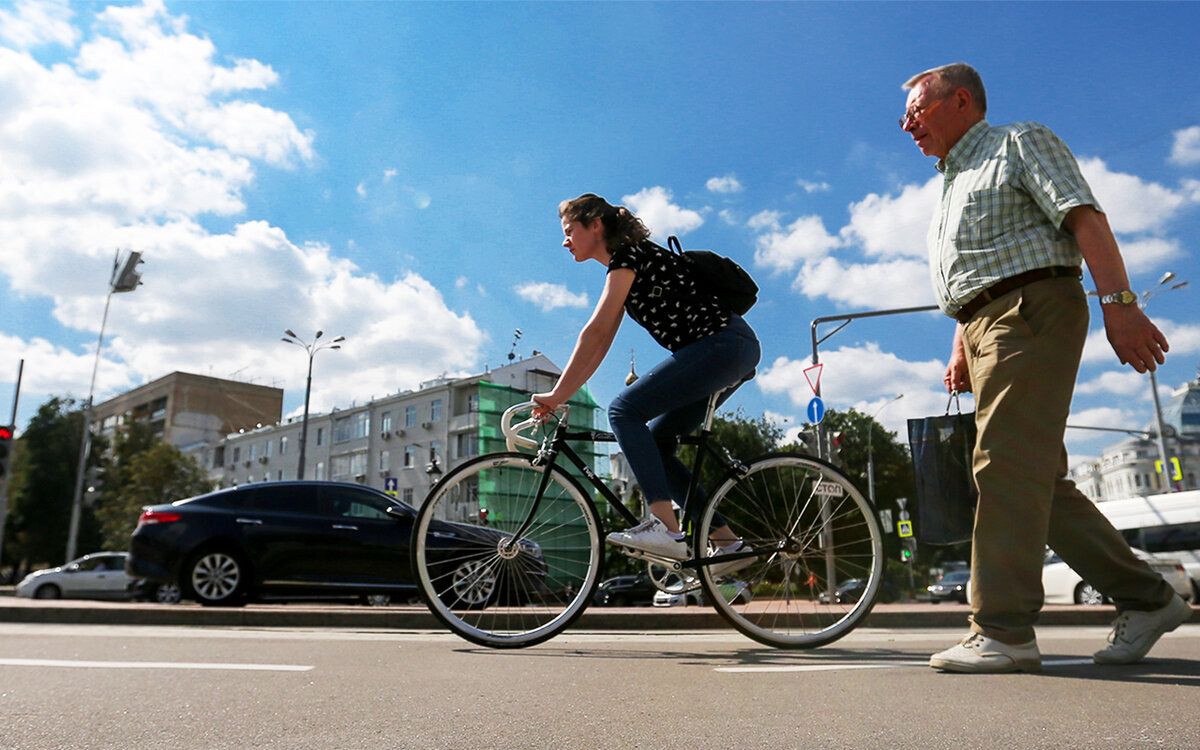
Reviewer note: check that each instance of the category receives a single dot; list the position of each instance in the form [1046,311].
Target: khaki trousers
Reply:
[1023,353]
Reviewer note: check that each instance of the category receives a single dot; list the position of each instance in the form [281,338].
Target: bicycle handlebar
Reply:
[512,433]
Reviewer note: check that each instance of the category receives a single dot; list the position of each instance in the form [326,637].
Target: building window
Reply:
[341,432]
[385,460]
[360,424]
[319,473]
[385,421]
[407,495]
[435,411]
[467,444]
[267,449]
[473,403]
[348,466]
[237,454]
[410,456]
[435,450]
[410,416]
[283,446]
[320,436]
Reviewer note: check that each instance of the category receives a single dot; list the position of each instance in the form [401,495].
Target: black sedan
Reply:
[300,539]
[951,587]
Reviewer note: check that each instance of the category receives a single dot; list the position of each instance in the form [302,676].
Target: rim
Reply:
[216,576]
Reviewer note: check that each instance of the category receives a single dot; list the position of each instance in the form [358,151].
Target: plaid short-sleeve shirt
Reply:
[1006,192]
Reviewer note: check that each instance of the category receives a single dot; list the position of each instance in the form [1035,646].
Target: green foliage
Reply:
[143,471]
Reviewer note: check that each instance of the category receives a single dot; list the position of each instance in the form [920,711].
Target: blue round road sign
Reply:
[816,411]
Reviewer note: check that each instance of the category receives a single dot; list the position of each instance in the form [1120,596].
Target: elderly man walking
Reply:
[1005,246]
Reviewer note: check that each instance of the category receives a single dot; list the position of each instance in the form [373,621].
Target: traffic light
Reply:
[836,443]
[483,514]
[6,438]
[908,550]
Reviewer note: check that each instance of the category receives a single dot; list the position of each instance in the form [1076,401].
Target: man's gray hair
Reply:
[951,78]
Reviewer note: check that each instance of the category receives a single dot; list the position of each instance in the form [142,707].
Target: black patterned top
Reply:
[664,299]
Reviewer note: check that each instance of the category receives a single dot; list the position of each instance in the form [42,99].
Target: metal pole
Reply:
[1162,440]
[304,422]
[4,487]
[85,442]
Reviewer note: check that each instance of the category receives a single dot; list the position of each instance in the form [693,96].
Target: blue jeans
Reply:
[671,400]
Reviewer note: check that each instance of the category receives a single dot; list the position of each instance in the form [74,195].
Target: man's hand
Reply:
[1134,337]
[957,377]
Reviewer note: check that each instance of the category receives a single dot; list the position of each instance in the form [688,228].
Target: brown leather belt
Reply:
[1004,286]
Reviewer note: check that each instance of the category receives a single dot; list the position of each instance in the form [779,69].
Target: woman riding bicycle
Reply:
[712,350]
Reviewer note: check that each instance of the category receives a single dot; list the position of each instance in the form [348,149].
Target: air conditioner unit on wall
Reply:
[399,433]
[385,435]
[427,425]
[262,459]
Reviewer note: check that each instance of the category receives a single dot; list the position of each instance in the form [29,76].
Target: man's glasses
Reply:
[917,112]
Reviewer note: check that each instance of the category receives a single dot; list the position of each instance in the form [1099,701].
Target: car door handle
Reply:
[255,521]
[345,527]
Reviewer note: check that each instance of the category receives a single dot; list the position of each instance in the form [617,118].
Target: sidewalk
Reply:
[417,617]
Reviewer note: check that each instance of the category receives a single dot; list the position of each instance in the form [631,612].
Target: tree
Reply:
[43,486]
[143,470]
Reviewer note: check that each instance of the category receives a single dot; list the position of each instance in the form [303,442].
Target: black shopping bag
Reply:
[942,449]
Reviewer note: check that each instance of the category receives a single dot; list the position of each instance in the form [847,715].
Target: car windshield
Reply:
[957,577]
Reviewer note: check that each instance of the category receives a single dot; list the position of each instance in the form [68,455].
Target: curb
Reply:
[417,617]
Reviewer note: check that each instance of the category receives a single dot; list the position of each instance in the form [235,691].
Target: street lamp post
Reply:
[125,278]
[1158,418]
[312,349]
[870,450]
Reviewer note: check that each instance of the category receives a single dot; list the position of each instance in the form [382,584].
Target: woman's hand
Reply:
[546,404]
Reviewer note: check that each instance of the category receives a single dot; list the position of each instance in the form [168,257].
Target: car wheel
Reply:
[1086,594]
[217,578]
[167,593]
[377,600]
[472,585]
[47,591]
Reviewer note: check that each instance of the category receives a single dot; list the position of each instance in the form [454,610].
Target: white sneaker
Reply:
[978,654]
[733,566]
[1135,633]
[650,536]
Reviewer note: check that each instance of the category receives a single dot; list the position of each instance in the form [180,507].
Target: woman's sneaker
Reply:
[652,537]
[733,566]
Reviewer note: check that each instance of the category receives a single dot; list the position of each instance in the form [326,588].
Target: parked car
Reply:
[952,587]
[143,590]
[303,539]
[622,591]
[851,590]
[100,575]
[1062,585]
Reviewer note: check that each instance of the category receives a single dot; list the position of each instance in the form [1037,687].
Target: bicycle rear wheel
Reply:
[482,586]
[813,531]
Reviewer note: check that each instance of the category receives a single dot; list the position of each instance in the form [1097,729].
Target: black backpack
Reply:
[718,276]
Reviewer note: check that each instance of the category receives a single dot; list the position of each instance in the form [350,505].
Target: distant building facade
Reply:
[187,410]
[401,443]
[1129,468]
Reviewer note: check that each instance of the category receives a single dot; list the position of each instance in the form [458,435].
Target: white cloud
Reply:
[805,239]
[1132,204]
[890,284]
[726,184]
[1186,149]
[654,207]
[814,187]
[765,220]
[1184,339]
[1149,253]
[32,23]
[134,144]
[1115,382]
[550,296]
[894,226]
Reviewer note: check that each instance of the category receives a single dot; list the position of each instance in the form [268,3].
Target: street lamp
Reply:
[870,450]
[1145,297]
[312,350]
[125,278]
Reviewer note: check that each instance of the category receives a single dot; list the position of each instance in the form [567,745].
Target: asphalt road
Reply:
[119,686]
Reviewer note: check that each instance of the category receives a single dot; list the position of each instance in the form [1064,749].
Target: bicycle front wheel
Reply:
[481,581]
[813,533]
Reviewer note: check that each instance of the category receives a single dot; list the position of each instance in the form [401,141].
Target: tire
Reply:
[807,544]
[167,593]
[217,578]
[1085,593]
[481,587]
[47,591]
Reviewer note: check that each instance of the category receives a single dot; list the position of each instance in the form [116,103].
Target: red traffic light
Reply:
[6,433]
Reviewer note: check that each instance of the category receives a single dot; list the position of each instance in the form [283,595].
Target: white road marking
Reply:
[875,665]
[77,664]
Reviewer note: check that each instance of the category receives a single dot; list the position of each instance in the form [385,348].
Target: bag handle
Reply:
[953,400]
[673,244]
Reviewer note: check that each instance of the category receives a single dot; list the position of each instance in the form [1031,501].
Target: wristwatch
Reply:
[1124,297]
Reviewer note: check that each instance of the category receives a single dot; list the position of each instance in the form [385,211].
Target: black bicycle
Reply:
[508,548]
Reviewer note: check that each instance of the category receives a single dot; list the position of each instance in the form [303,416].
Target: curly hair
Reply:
[621,227]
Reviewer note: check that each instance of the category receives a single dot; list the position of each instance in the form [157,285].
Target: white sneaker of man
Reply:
[650,536]
[978,654]
[732,566]
[1135,633]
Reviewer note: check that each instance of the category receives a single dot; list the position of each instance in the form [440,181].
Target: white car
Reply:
[736,592]
[1062,585]
[100,575]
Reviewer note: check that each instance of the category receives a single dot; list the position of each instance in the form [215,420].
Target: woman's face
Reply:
[585,241]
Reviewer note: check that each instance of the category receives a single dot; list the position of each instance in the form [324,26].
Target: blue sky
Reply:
[390,172]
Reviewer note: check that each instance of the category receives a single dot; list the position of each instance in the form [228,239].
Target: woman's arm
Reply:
[593,342]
